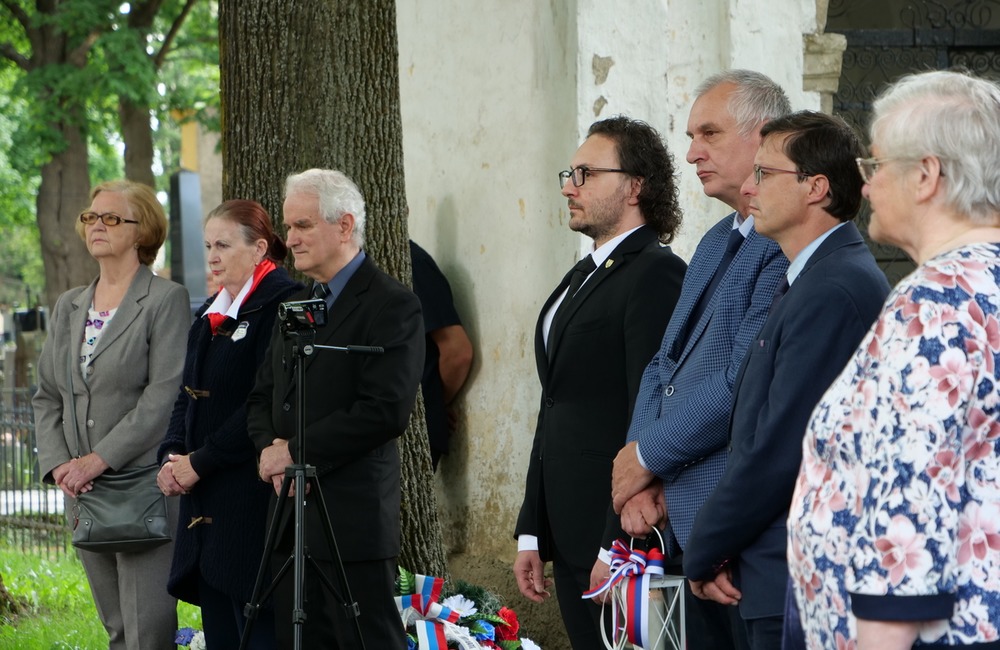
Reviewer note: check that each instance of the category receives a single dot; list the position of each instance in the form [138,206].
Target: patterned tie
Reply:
[732,246]
[582,269]
[320,292]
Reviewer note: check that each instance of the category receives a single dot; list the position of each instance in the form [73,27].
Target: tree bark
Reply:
[64,189]
[137,134]
[316,84]
[63,192]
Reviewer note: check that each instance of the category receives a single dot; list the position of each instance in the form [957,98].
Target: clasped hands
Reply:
[177,476]
[273,461]
[637,495]
[77,476]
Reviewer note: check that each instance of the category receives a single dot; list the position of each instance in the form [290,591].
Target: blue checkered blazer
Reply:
[681,414]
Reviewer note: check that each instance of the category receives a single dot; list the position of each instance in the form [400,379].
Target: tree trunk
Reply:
[64,189]
[137,134]
[63,193]
[315,84]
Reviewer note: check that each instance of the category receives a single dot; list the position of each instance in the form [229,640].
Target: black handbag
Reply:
[125,511]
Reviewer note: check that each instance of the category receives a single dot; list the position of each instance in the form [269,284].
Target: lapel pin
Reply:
[241,331]
[608,264]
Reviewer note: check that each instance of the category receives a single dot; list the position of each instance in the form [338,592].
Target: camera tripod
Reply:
[306,484]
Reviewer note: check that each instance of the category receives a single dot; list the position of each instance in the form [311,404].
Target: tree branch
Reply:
[174,29]
[8,51]
[19,14]
[78,56]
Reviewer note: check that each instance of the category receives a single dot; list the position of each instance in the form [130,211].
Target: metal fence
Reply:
[32,518]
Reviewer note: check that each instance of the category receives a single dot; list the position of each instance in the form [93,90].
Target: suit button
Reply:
[286,407]
[669,390]
[90,423]
[90,370]
[549,402]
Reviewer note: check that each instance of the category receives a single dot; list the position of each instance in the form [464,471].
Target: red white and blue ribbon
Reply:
[429,617]
[628,585]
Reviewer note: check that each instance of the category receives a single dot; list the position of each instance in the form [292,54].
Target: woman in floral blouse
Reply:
[895,523]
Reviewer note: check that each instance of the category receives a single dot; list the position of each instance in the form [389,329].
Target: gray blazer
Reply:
[124,403]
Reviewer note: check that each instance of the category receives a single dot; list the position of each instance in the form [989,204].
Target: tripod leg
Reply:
[252,609]
[299,602]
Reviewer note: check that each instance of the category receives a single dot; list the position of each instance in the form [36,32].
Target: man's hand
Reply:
[644,511]
[598,575]
[529,571]
[273,461]
[720,589]
[167,483]
[182,470]
[628,477]
[79,474]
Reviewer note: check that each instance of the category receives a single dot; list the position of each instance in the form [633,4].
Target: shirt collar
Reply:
[799,263]
[601,254]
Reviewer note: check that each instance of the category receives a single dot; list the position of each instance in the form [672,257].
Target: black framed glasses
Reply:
[580,174]
[759,171]
[108,218]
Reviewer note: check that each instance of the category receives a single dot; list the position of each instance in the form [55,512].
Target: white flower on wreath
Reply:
[461,604]
[198,641]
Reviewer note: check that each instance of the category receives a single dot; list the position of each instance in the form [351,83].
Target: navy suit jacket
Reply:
[589,380]
[682,411]
[803,346]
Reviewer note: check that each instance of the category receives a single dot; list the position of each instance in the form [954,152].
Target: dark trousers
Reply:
[328,624]
[711,625]
[765,633]
[223,621]
[582,618]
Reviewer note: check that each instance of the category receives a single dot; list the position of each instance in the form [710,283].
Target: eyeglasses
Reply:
[580,174]
[759,171]
[868,166]
[109,218]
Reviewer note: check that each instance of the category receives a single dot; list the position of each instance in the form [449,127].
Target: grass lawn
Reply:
[61,613]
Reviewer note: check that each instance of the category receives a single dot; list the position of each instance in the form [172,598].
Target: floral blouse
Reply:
[896,512]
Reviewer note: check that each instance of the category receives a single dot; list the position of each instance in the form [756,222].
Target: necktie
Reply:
[582,269]
[732,246]
[779,292]
[320,291]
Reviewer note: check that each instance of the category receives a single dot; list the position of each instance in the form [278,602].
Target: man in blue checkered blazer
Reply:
[676,450]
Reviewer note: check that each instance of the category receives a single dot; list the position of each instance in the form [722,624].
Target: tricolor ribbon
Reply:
[628,583]
[627,562]
[422,610]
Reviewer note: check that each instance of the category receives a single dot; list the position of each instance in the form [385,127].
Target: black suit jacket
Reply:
[355,408]
[802,347]
[589,381]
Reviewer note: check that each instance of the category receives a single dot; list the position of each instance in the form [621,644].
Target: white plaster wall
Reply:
[488,107]
[496,96]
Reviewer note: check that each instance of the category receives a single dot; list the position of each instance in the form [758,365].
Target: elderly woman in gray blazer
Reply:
[115,348]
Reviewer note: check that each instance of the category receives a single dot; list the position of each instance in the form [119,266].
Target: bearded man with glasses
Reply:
[595,334]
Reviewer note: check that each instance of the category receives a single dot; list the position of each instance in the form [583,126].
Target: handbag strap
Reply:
[72,403]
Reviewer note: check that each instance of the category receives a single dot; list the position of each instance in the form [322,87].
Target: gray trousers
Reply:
[130,591]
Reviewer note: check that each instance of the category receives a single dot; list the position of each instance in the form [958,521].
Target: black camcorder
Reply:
[302,315]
